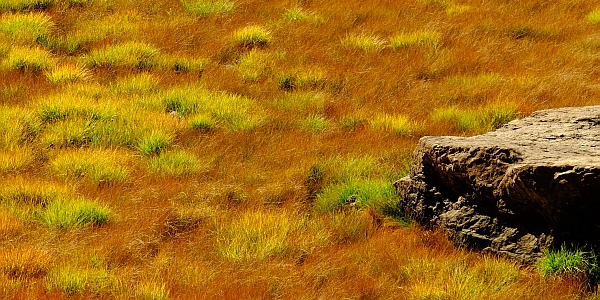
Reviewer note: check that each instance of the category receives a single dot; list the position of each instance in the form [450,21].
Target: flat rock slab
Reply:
[530,185]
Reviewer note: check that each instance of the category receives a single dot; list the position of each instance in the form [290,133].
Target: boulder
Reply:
[528,186]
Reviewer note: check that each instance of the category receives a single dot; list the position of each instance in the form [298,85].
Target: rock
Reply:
[530,185]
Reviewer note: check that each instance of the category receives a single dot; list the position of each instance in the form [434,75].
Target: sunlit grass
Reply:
[26,28]
[297,14]
[355,193]
[431,40]
[73,213]
[133,55]
[594,16]
[23,192]
[16,159]
[66,74]
[476,120]
[314,123]
[143,83]
[397,124]
[252,36]
[24,262]
[175,163]
[205,8]
[98,166]
[21,5]
[28,59]
[364,42]
[253,65]
[77,280]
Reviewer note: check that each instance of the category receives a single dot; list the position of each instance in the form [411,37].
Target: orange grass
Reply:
[325,94]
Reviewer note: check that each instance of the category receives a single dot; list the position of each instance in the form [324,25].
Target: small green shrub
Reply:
[133,55]
[100,166]
[174,163]
[154,142]
[28,59]
[594,17]
[364,42]
[252,36]
[74,213]
[205,8]
[422,39]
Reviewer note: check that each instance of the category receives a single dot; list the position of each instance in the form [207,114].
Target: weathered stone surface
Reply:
[531,184]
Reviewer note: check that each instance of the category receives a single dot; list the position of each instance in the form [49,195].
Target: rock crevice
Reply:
[527,186]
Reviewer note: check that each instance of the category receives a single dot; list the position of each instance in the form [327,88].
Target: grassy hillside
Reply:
[246,149]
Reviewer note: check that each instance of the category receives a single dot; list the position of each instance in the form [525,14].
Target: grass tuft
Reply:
[476,121]
[252,36]
[73,213]
[397,124]
[594,17]
[429,40]
[26,28]
[364,42]
[132,55]
[22,5]
[154,142]
[175,163]
[28,59]
[206,8]
[66,74]
[99,166]
[570,262]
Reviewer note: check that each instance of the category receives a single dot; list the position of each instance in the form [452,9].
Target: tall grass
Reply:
[98,166]
[205,8]
[133,55]
[74,213]
[252,36]
[28,59]
[21,5]
[26,28]
[364,42]
[476,121]
[422,39]
[175,163]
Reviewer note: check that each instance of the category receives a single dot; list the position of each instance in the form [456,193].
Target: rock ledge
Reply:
[529,185]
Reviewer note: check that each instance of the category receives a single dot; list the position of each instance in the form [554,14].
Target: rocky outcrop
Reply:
[516,191]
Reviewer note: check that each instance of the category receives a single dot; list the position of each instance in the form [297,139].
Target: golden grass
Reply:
[251,146]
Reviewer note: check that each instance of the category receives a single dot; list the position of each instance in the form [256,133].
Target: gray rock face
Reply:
[516,191]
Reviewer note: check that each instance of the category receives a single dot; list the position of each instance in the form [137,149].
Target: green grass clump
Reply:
[132,55]
[143,83]
[99,166]
[313,78]
[355,193]
[73,281]
[396,124]
[67,133]
[74,213]
[21,5]
[22,192]
[174,163]
[26,28]
[154,142]
[594,17]
[570,262]
[70,106]
[476,121]
[422,39]
[205,8]
[364,42]
[253,65]
[66,74]
[202,122]
[256,235]
[184,64]
[16,159]
[314,123]
[28,59]
[252,36]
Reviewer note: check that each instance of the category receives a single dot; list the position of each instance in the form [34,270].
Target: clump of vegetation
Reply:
[252,36]
[175,163]
[28,58]
[429,40]
[594,16]
[399,125]
[74,213]
[99,166]
[133,55]
[205,8]
[476,121]
[66,74]
[26,28]
[154,142]
[571,262]
[364,42]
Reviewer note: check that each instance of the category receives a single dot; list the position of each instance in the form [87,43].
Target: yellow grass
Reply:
[247,150]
